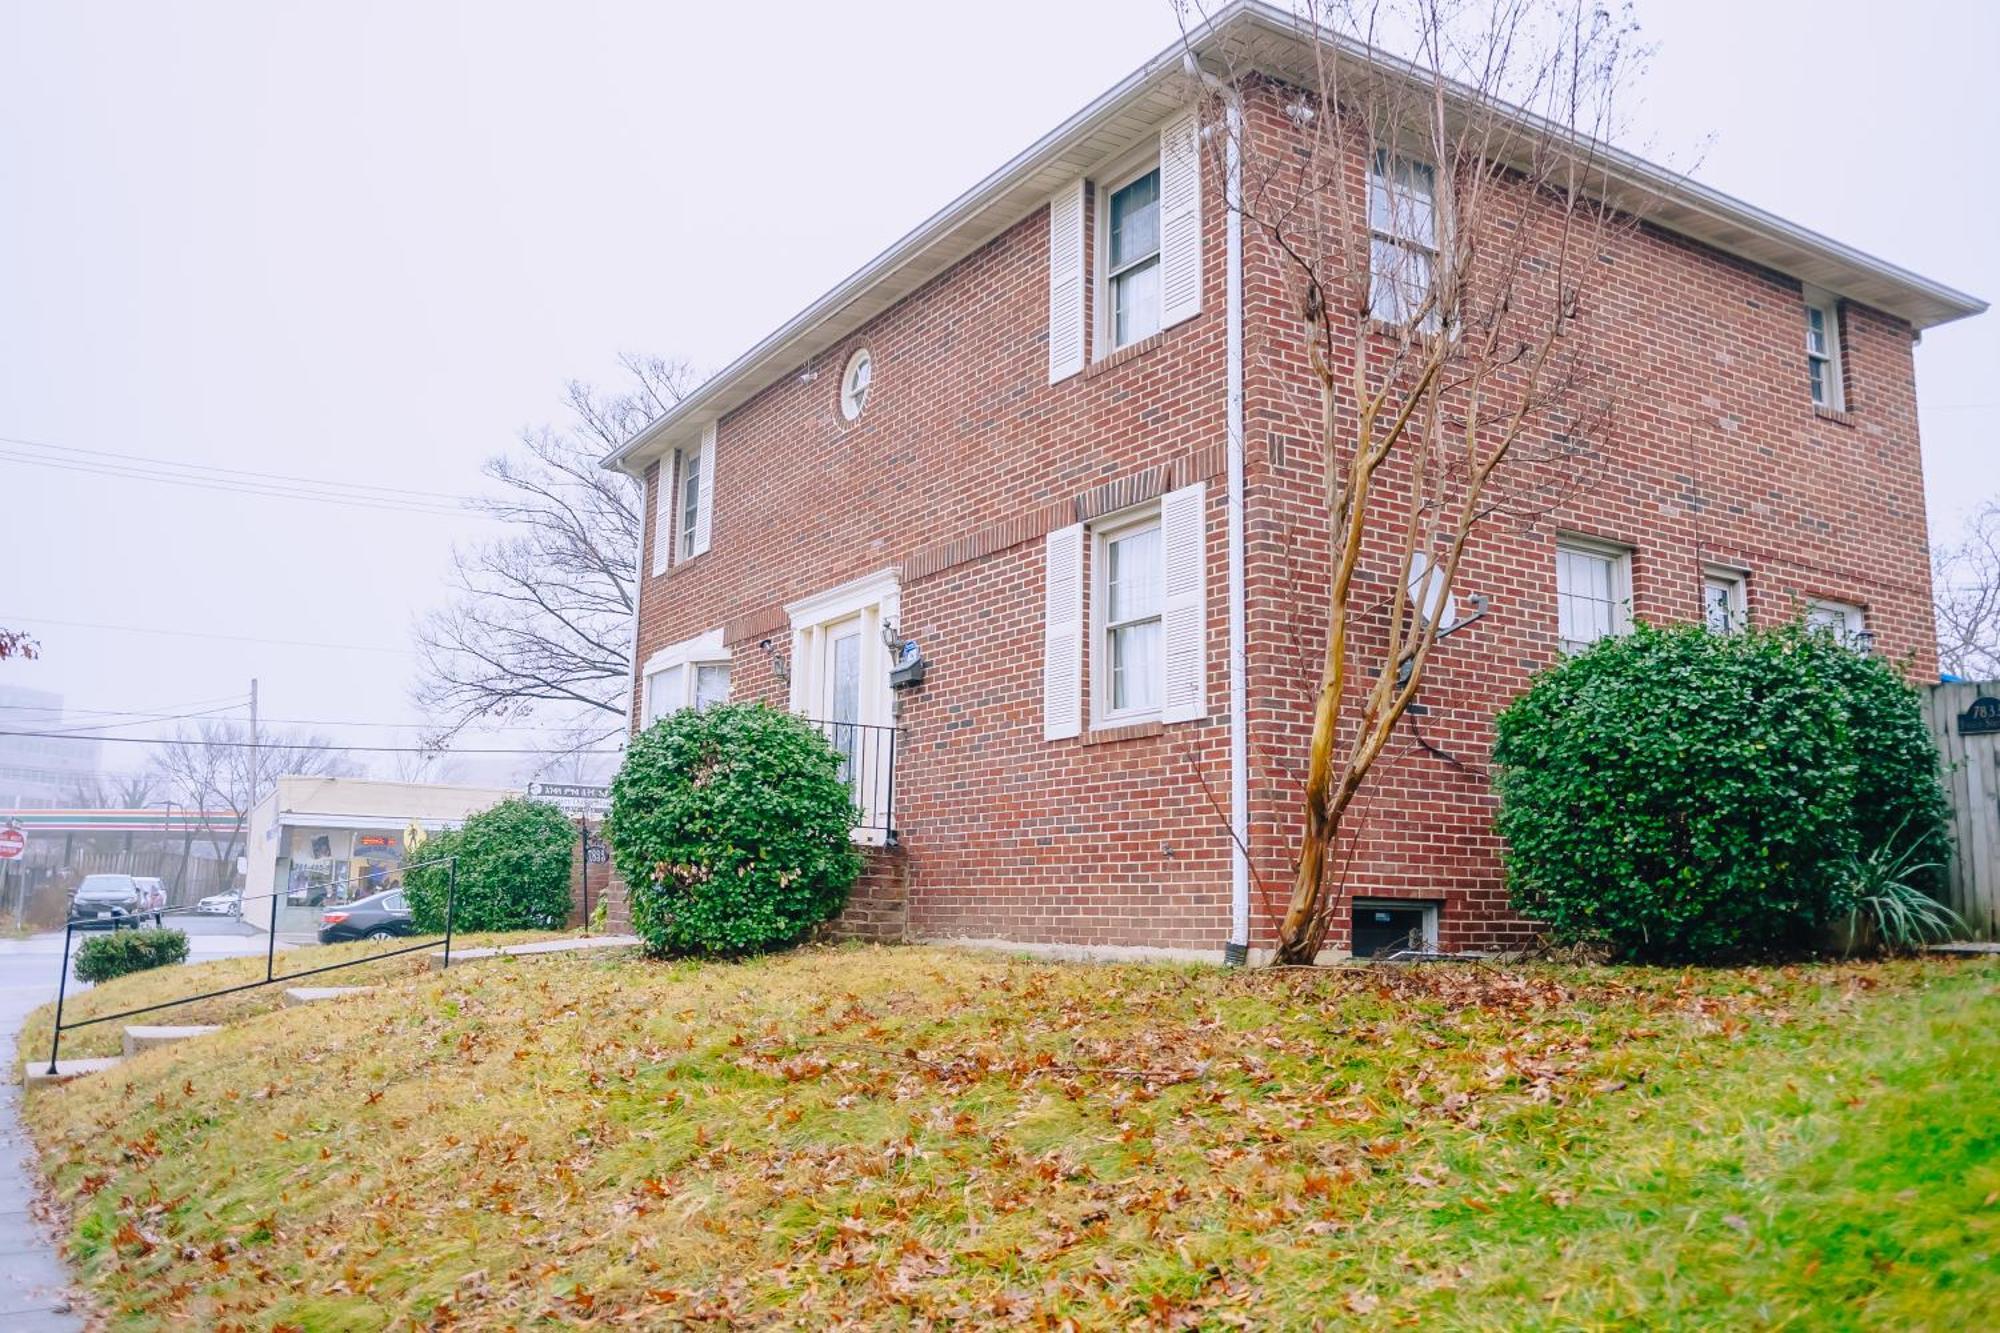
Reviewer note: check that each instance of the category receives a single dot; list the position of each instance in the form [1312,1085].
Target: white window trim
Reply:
[1854,620]
[1128,169]
[1738,581]
[876,599]
[859,355]
[1621,579]
[686,526]
[702,649]
[1102,531]
[1834,378]
[676,541]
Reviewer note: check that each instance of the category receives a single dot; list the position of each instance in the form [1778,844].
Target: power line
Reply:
[276,492]
[164,710]
[138,715]
[232,471]
[418,726]
[329,749]
[83,731]
[200,634]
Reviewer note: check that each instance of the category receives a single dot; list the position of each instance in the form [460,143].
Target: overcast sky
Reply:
[368,242]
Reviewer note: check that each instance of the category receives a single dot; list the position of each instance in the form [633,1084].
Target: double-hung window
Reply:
[1593,593]
[1402,241]
[690,501]
[684,504]
[1140,634]
[1823,352]
[1132,269]
[1725,608]
[1129,662]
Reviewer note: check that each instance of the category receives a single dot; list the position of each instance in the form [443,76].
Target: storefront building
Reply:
[316,842]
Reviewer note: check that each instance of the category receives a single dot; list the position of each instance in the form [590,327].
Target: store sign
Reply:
[575,797]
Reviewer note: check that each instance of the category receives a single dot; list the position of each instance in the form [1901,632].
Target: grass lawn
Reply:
[897,1137]
[166,983]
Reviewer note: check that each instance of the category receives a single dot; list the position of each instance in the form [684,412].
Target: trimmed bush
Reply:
[729,825]
[1681,795]
[513,870]
[103,957]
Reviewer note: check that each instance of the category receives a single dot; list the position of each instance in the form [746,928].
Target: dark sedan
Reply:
[379,916]
[107,902]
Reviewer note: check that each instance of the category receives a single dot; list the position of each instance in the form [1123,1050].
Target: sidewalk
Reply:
[34,1284]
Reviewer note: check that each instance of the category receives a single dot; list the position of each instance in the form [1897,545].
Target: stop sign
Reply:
[12,843]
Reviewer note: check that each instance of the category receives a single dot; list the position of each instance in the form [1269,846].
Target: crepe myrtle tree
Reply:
[1444,221]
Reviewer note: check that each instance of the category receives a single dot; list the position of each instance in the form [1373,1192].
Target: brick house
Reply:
[1025,455]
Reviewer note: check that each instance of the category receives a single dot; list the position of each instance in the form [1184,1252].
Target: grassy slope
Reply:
[886,1135]
[168,983]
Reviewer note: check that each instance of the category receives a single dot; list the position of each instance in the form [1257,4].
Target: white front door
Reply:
[841,682]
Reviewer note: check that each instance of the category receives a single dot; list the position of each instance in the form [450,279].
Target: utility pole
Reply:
[249,809]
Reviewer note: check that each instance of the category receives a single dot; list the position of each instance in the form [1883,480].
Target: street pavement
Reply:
[33,1281]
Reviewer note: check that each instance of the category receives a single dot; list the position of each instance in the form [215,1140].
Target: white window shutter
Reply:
[1066,282]
[1180,220]
[663,509]
[704,511]
[1183,608]
[1062,634]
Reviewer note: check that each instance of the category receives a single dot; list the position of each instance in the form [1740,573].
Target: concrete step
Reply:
[318,994]
[35,1073]
[585,944]
[1966,949]
[139,1039]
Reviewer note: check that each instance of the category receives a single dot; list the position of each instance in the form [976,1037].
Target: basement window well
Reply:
[1384,927]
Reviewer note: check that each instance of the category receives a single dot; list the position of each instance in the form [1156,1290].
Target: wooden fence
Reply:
[1965,720]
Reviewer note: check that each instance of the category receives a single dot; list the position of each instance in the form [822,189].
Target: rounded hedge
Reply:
[729,826]
[1683,795]
[513,870]
[124,952]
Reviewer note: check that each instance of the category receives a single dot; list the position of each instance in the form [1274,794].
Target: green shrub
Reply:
[729,825]
[103,957]
[513,871]
[1901,812]
[1682,795]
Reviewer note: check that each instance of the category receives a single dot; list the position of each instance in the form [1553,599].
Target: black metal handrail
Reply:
[271,976]
[868,765]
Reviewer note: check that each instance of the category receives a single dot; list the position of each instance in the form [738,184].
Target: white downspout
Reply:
[1237,950]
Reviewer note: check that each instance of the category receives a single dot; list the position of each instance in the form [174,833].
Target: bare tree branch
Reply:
[541,616]
[212,767]
[1965,585]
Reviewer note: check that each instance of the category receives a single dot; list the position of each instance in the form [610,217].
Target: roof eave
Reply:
[1686,207]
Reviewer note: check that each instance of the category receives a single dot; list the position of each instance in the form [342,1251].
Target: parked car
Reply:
[152,897]
[106,902]
[379,916]
[222,904]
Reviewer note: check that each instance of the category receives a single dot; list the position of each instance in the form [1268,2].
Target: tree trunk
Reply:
[1301,932]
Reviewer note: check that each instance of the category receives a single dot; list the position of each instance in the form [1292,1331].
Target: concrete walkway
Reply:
[575,944]
[34,1284]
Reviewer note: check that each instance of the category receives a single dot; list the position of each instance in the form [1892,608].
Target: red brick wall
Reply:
[966,456]
[1715,455]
